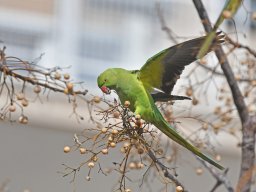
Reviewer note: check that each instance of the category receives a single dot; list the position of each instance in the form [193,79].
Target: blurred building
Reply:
[94,34]
[90,36]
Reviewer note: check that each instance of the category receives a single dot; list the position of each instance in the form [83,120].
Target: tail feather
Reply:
[172,133]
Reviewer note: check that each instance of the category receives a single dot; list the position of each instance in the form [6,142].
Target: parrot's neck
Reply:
[130,88]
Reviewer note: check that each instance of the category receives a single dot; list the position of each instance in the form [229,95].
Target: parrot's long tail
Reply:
[174,135]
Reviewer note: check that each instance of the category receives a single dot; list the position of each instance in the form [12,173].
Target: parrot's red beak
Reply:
[105,90]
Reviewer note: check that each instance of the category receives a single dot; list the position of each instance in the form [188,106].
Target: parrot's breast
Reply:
[131,89]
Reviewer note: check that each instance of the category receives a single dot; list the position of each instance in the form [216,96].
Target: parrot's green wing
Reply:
[163,69]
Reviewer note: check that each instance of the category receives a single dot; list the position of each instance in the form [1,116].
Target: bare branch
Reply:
[165,170]
[221,178]
[248,128]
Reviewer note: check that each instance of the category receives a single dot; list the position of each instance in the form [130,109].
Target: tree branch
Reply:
[239,45]
[220,177]
[165,170]
[248,128]
[225,66]
[171,36]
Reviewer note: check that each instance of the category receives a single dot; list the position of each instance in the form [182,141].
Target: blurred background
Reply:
[90,36]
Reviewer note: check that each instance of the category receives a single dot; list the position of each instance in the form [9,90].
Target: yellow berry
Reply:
[179,189]
[139,165]
[128,190]
[127,104]
[116,114]
[160,151]
[140,150]
[138,124]
[104,151]
[70,86]
[205,126]
[96,99]
[66,91]
[194,101]
[82,150]
[88,178]
[23,119]
[110,138]
[95,158]
[24,102]
[169,158]
[123,150]
[114,132]
[132,165]
[112,144]
[217,110]
[90,164]
[66,76]
[137,117]
[12,108]
[238,77]
[104,130]
[199,171]
[57,75]
[126,144]
[67,149]
[37,89]
[218,157]
[20,96]
[189,91]
[216,128]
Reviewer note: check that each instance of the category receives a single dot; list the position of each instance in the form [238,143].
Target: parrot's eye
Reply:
[105,80]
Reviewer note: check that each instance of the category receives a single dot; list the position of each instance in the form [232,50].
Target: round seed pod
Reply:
[96,99]
[20,96]
[37,89]
[57,76]
[12,108]
[104,151]
[179,189]
[66,149]
[66,76]
[127,104]
[82,150]
[23,119]
[91,164]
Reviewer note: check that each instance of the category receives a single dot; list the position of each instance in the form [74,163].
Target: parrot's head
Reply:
[107,81]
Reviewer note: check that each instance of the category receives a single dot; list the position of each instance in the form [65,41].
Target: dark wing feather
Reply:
[163,69]
[164,97]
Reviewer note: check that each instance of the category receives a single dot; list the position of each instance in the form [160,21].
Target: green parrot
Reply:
[154,82]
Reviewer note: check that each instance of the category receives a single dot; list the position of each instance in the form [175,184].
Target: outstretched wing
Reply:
[163,69]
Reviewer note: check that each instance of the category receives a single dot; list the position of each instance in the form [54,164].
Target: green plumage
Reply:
[160,72]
